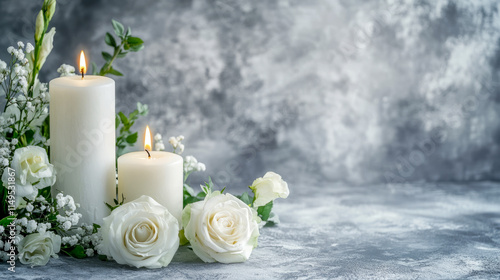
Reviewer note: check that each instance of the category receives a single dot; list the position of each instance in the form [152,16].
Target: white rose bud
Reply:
[47,45]
[50,9]
[268,188]
[37,248]
[39,26]
[141,233]
[221,228]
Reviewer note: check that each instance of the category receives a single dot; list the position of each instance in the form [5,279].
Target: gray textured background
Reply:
[352,91]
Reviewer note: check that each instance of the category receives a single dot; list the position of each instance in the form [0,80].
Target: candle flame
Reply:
[83,64]
[147,139]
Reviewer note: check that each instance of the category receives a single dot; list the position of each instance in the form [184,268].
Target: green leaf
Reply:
[78,252]
[134,41]
[123,118]
[133,115]
[132,138]
[122,54]
[188,190]
[182,238]
[142,108]
[96,227]
[119,29]
[46,127]
[246,198]
[129,32]
[110,40]
[108,57]
[103,257]
[115,72]
[136,48]
[265,211]
[6,221]
[117,122]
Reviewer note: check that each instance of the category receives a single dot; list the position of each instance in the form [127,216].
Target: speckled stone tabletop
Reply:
[412,231]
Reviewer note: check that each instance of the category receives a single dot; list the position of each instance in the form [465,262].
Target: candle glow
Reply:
[147,139]
[83,64]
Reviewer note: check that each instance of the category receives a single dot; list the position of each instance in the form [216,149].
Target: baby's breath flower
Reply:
[66,225]
[66,70]
[23,221]
[20,44]
[89,252]
[29,48]
[31,226]
[29,207]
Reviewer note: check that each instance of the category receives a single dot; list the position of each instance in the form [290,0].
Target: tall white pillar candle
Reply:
[159,176]
[82,142]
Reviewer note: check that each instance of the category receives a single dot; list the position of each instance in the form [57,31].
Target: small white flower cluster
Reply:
[176,143]
[67,216]
[19,72]
[84,236]
[66,70]
[159,146]
[6,147]
[65,223]
[191,164]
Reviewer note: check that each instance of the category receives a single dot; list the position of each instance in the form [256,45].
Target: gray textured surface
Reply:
[347,90]
[429,231]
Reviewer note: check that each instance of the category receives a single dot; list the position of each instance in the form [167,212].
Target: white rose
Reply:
[37,248]
[268,188]
[141,233]
[221,228]
[33,171]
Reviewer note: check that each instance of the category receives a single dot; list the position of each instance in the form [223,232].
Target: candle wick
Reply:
[149,155]
[82,70]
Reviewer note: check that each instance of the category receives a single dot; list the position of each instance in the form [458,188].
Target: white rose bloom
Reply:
[221,228]
[268,188]
[37,248]
[141,233]
[33,171]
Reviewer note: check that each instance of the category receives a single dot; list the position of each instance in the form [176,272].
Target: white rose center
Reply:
[34,164]
[143,232]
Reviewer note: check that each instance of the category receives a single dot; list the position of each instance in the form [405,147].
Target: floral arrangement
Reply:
[36,225]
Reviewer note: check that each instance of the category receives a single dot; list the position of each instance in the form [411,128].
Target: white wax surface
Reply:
[160,177]
[82,142]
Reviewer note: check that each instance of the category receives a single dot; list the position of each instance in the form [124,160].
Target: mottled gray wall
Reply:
[353,91]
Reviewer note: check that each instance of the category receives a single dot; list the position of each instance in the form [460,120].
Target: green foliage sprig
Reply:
[127,44]
[126,137]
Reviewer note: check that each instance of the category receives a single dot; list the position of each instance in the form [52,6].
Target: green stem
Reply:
[38,46]
[107,66]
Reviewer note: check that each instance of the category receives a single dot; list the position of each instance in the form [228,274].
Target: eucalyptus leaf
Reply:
[107,56]
[115,72]
[110,40]
[136,48]
[119,29]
